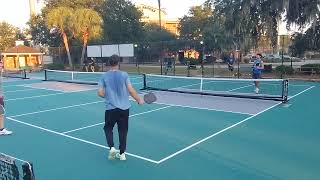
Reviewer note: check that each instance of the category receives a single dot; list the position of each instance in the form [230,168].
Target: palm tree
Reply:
[58,19]
[159,8]
[86,24]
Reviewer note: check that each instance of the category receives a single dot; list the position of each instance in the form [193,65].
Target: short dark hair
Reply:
[114,60]
[259,54]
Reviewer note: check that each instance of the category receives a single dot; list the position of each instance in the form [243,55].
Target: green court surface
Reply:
[61,134]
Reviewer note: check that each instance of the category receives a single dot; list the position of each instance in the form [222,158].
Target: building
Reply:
[172,25]
[21,57]
[151,15]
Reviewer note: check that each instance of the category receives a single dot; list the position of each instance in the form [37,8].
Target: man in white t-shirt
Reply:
[3,131]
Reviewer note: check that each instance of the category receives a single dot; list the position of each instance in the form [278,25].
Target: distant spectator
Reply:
[3,131]
[230,61]
[92,65]
[85,65]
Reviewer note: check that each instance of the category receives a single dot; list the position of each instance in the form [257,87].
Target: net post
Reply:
[72,76]
[24,74]
[201,84]
[45,75]
[174,67]
[144,81]
[213,68]
[188,69]
[28,173]
[285,90]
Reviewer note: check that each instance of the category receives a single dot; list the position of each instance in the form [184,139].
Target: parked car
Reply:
[248,58]
[219,61]
[270,58]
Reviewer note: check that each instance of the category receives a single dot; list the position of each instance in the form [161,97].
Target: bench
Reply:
[309,70]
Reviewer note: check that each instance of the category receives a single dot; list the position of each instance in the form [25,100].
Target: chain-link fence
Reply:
[233,58]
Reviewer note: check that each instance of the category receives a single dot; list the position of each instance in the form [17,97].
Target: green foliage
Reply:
[8,35]
[192,26]
[254,19]
[309,41]
[153,34]
[41,34]
[74,4]
[86,20]
[299,45]
[59,18]
[54,66]
[121,22]
[192,61]
[85,24]
[311,67]
[301,12]
[288,70]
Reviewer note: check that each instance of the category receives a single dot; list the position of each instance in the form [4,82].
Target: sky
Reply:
[174,8]
[16,12]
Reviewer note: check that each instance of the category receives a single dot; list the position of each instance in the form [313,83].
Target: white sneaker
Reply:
[257,90]
[122,156]
[5,132]
[112,153]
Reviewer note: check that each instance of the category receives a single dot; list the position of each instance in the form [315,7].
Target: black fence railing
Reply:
[231,58]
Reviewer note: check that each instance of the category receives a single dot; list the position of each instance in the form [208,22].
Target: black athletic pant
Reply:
[121,117]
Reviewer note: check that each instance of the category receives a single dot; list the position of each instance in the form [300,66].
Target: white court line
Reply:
[46,95]
[78,139]
[19,90]
[209,109]
[225,129]
[21,160]
[301,92]
[98,124]
[41,88]
[55,109]
[194,107]
[240,88]
[32,97]
[17,85]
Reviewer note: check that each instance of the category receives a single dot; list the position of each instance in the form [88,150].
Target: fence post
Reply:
[282,58]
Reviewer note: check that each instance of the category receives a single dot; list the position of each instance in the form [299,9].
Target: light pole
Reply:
[202,59]
[160,29]
[282,58]
[159,6]
[136,56]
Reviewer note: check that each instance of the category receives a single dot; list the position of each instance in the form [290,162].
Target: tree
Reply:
[8,35]
[86,24]
[309,41]
[302,12]
[41,34]
[153,34]
[192,26]
[58,20]
[299,45]
[121,22]
[74,4]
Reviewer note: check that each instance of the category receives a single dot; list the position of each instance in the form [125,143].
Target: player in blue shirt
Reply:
[257,71]
[231,60]
[116,88]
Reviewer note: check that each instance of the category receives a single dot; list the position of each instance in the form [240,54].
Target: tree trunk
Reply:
[85,42]
[66,44]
